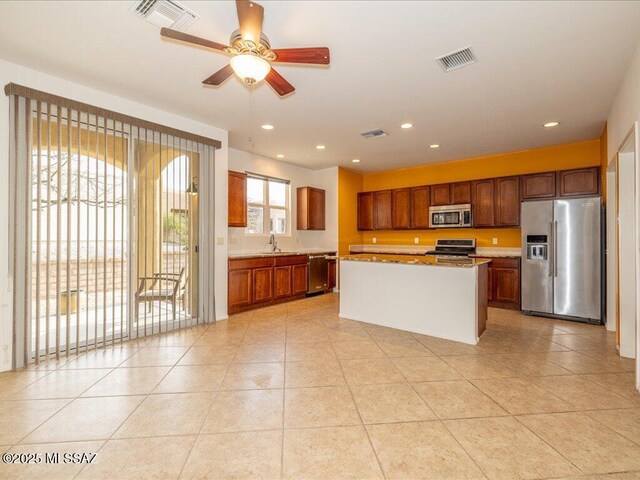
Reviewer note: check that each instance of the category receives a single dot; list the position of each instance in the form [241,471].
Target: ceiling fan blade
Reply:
[316,55]
[220,76]
[250,15]
[278,83]
[185,37]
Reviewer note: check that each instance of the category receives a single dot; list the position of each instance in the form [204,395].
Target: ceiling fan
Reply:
[251,51]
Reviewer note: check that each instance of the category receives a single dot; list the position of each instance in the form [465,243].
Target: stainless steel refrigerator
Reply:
[562,258]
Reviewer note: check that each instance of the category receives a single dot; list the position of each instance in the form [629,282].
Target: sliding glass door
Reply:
[105,243]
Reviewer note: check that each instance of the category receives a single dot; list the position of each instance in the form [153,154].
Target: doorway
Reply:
[88,235]
[623,230]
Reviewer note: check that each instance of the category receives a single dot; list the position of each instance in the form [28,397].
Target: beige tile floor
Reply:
[295,392]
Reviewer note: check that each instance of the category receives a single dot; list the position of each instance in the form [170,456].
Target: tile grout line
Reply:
[362,424]
[435,414]
[213,399]
[548,444]
[146,396]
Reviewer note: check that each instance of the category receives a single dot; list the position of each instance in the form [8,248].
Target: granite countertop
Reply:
[428,260]
[240,255]
[481,252]
[493,252]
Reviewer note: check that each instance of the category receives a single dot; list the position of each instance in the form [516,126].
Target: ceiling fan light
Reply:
[250,68]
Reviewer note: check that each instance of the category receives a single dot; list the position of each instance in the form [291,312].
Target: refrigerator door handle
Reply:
[552,250]
[555,249]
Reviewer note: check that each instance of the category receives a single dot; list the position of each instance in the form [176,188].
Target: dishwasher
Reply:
[318,269]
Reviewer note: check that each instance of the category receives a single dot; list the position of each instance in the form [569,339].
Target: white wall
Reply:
[10,72]
[326,179]
[626,106]
[627,273]
[625,111]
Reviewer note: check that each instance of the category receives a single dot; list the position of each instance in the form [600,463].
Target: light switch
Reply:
[495,241]
[416,240]
[374,240]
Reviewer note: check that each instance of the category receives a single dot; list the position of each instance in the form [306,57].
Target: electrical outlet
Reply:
[374,240]
[220,240]
[416,240]
[495,241]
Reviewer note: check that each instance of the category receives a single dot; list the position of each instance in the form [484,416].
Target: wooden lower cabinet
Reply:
[260,281]
[503,283]
[300,275]
[283,282]
[239,288]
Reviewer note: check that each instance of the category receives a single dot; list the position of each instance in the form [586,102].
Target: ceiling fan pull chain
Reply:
[252,142]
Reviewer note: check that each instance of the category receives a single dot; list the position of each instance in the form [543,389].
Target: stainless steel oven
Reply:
[450,216]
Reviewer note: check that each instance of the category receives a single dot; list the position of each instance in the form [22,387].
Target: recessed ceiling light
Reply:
[356,160]
[435,145]
[266,126]
[280,155]
[406,125]
[320,147]
[551,124]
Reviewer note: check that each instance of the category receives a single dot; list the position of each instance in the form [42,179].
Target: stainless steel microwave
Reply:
[450,216]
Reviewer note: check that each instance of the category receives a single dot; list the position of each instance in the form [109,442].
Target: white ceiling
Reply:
[538,61]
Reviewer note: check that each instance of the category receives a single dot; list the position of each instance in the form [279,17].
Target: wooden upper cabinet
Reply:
[507,203]
[365,211]
[420,207]
[538,185]
[237,199]
[573,183]
[483,203]
[401,208]
[460,193]
[310,208]
[382,210]
[451,193]
[441,194]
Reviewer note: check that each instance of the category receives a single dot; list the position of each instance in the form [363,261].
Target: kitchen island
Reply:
[440,297]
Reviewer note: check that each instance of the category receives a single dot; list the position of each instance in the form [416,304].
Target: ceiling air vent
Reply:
[374,133]
[164,13]
[458,59]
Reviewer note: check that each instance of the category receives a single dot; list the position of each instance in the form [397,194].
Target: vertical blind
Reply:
[107,240]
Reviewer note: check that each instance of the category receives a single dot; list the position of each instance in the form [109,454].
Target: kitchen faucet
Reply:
[274,244]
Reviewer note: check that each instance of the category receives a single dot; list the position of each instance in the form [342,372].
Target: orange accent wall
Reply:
[559,157]
[349,184]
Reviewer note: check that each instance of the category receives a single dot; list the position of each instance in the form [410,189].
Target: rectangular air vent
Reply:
[374,133]
[458,59]
[164,13]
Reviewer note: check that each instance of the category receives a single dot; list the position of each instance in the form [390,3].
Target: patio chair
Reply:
[165,287]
